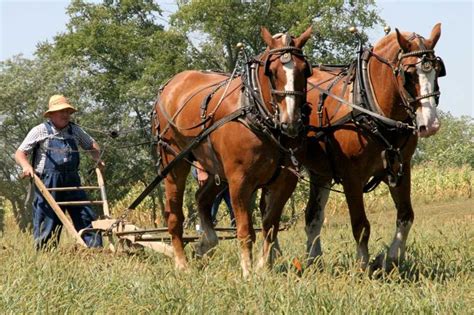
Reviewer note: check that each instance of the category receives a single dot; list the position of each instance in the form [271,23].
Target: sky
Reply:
[25,23]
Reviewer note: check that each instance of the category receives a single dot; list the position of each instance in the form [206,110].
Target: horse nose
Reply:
[292,129]
[428,130]
[427,121]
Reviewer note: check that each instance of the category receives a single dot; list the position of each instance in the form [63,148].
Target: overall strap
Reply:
[69,128]
[49,127]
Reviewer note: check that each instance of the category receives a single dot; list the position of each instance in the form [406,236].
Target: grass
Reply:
[437,276]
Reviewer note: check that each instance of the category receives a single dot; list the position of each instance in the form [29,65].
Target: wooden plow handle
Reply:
[103,195]
[61,215]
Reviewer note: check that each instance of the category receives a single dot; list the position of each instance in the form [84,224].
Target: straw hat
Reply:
[58,102]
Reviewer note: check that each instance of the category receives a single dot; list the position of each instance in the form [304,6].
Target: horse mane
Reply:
[391,39]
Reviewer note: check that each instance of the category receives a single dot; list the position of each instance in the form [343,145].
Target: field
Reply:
[436,278]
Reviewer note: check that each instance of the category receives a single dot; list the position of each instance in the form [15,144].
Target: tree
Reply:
[25,87]
[125,55]
[222,24]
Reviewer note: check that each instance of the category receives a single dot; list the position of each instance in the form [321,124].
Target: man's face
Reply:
[61,118]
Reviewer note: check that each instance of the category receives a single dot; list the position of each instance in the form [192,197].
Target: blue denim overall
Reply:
[61,170]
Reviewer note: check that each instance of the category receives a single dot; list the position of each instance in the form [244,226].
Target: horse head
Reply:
[285,71]
[416,68]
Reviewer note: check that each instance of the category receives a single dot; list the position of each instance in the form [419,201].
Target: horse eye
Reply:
[411,71]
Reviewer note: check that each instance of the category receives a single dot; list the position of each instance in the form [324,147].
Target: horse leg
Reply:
[360,225]
[405,217]
[241,196]
[314,215]
[263,210]
[175,184]
[275,197]
[205,197]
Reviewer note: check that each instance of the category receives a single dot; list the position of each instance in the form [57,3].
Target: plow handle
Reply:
[61,215]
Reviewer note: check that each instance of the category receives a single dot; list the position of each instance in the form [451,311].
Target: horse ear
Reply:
[303,38]
[402,41]
[435,35]
[267,37]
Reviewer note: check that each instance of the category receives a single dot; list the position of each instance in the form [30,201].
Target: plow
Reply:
[119,232]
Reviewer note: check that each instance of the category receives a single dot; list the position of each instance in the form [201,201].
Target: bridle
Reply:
[428,61]
[285,55]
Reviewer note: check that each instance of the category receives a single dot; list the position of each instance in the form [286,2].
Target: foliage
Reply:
[125,56]
[2,215]
[452,145]
[219,32]
[25,87]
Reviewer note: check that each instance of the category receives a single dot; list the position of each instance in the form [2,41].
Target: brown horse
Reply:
[397,81]
[259,117]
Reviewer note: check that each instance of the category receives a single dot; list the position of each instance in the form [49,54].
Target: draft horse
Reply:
[254,118]
[395,85]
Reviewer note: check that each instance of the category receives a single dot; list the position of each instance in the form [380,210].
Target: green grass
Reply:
[437,276]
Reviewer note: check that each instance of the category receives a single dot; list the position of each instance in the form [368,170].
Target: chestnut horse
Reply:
[396,84]
[255,119]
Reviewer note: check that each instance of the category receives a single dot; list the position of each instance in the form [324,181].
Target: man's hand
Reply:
[28,171]
[101,165]
[21,159]
[202,176]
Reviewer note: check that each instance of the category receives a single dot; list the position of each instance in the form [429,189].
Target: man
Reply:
[54,148]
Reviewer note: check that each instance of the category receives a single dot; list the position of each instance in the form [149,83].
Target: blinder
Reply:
[437,63]
[285,58]
[442,68]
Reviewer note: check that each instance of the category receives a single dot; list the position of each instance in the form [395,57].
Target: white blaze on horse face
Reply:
[426,116]
[290,100]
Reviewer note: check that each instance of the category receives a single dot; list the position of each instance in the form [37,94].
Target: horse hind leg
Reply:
[314,216]
[360,225]
[265,198]
[274,198]
[241,195]
[405,217]
[205,197]
[175,184]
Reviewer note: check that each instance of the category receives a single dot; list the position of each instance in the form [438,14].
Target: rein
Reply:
[388,121]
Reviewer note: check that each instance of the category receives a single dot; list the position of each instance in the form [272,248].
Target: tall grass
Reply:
[436,278]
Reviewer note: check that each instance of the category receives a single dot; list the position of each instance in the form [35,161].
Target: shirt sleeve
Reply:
[36,135]
[83,138]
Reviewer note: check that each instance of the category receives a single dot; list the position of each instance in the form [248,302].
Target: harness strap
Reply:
[196,141]
[388,121]
[180,109]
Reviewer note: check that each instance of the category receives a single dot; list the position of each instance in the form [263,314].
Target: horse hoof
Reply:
[201,250]
[182,268]
[376,263]
[382,263]
[181,265]
[315,262]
